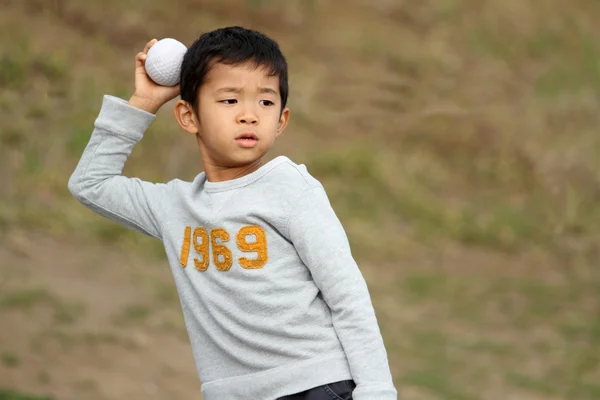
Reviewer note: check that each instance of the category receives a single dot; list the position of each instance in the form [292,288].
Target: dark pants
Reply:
[333,391]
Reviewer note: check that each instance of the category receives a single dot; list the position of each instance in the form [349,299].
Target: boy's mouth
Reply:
[247,135]
[248,139]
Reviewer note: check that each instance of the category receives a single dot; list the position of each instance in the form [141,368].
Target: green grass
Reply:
[489,347]
[10,359]
[137,311]
[53,66]
[98,338]
[78,139]
[437,383]
[44,378]
[489,221]
[166,293]
[65,312]
[14,135]
[63,337]
[68,312]
[537,385]
[39,110]
[14,68]
[33,162]
[25,299]
[6,394]
[19,63]
[133,313]
[491,322]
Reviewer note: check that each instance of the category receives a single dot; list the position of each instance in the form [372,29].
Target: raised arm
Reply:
[97,181]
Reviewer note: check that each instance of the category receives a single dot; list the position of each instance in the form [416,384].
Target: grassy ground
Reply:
[456,139]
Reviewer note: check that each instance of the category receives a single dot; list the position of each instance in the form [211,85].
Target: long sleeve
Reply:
[97,181]
[321,242]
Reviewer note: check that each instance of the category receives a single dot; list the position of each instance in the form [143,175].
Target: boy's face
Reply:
[239,115]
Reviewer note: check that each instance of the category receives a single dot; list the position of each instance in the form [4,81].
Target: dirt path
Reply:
[74,325]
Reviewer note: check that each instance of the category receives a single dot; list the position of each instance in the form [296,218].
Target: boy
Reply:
[274,304]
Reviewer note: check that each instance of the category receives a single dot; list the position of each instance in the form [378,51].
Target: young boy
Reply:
[273,301]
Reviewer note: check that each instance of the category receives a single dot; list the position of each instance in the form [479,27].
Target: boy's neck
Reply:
[216,173]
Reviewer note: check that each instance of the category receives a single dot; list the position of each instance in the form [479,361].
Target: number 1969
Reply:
[199,238]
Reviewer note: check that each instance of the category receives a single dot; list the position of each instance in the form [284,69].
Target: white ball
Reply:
[163,62]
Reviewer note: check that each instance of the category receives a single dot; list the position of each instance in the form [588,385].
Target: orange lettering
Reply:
[259,246]
[185,247]
[201,248]
[220,233]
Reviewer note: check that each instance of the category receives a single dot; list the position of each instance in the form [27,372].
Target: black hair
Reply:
[233,46]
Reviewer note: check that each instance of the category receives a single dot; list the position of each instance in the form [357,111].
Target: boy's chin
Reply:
[241,160]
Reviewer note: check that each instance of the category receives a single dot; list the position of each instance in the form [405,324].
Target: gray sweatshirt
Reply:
[273,301]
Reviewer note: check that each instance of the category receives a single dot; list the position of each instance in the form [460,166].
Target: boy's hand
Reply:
[148,95]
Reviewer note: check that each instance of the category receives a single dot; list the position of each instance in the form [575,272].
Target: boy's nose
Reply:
[249,120]
[248,117]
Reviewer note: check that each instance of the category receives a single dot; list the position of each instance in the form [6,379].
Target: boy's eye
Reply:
[266,102]
[228,101]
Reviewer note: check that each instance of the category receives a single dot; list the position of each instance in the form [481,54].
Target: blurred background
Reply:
[457,139]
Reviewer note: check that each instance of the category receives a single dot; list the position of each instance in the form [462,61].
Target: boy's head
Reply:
[231,46]
[234,87]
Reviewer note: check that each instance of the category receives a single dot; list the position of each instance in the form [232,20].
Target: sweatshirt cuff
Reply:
[375,393]
[118,117]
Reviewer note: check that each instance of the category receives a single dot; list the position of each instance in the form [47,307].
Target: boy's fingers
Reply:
[139,59]
[148,45]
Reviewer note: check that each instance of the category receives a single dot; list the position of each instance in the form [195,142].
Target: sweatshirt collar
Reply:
[243,180]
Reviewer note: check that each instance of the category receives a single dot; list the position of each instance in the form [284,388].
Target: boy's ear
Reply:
[186,117]
[283,120]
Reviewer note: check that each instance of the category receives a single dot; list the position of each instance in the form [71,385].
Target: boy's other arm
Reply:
[321,242]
